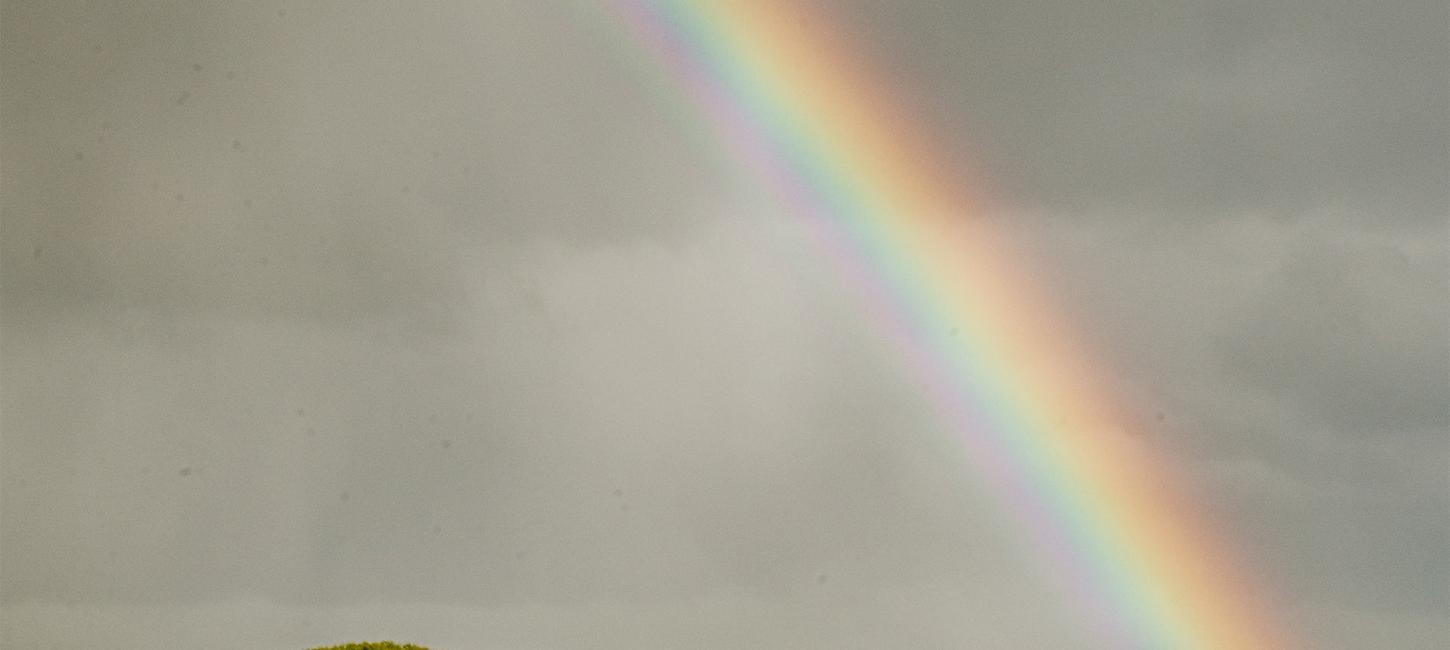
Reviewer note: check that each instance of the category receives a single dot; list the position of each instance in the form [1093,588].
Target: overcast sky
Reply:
[451,323]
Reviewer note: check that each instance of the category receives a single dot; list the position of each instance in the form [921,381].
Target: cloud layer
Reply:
[452,323]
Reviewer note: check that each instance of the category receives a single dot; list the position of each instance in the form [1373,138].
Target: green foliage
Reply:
[374,645]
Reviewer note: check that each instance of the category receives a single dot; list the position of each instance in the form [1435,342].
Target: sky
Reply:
[454,323]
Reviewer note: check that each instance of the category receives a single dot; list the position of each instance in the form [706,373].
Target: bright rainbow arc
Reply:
[1133,555]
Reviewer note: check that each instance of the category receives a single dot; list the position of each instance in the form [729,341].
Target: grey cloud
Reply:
[1185,107]
[1303,362]
[758,443]
[327,163]
[1356,334]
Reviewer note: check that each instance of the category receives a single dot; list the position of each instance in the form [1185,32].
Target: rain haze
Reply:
[455,323]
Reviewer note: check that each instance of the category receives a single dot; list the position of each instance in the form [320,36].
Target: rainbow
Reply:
[1135,557]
